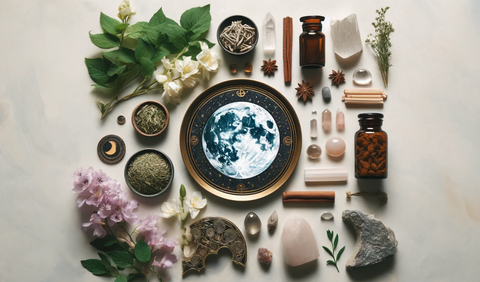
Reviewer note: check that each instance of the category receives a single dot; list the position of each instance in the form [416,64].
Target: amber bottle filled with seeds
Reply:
[312,42]
[371,148]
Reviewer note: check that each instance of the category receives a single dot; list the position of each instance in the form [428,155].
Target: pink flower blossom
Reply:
[167,260]
[96,222]
[82,179]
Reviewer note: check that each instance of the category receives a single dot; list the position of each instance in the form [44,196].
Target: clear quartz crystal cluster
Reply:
[269,35]
[346,36]
[299,242]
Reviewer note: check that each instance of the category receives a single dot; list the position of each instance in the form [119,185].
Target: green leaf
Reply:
[121,27]
[104,40]
[109,24]
[196,21]
[335,243]
[128,76]
[142,251]
[331,262]
[123,55]
[137,30]
[121,258]
[108,243]
[135,276]
[108,264]
[177,35]
[330,235]
[328,251]
[159,18]
[97,69]
[104,259]
[114,69]
[161,52]
[95,266]
[144,50]
[340,253]
[121,279]
[101,86]
[146,67]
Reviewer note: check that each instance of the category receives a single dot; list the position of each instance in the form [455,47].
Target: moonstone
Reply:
[340,120]
[327,216]
[269,35]
[362,77]
[346,36]
[326,119]
[314,151]
[252,223]
[298,242]
[335,146]
[375,241]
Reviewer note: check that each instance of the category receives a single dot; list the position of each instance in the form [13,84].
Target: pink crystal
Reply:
[299,242]
[264,256]
[340,120]
[326,119]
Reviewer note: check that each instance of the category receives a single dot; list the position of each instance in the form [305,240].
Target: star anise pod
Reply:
[305,91]
[337,77]
[269,66]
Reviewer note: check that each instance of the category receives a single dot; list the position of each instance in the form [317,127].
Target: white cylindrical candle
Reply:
[325,175]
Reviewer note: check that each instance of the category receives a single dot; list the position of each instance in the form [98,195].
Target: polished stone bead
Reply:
[252,223]
[326,119]
[327,216]
[248,68]
[326,94]
[233,68]
[335,146]
[314,151]
[362,77]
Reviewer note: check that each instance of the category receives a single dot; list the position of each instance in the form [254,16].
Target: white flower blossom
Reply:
[194,203]
[125,10]
[173,91]
[166,63]
[187,68]
[209,59]
[170,208]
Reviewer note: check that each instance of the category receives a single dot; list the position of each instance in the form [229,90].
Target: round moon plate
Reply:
[240,140]
[111,149]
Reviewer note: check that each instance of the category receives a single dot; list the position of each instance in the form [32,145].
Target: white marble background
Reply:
[49,126]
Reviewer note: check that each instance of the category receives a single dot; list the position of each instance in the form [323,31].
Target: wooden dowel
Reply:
[363,101]
[364,91]
[309,197]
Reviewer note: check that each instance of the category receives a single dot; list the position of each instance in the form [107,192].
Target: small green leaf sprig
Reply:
[380,43]
[135,50]
[334,247]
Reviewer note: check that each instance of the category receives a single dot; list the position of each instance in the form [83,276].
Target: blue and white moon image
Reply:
[241,140]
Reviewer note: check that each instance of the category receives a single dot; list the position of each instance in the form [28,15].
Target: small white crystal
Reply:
[327,216]
[346,36]
[269,35]
[362,77]
[299,242]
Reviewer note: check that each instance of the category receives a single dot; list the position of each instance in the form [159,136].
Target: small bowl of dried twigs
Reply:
[150,118]
[237,35]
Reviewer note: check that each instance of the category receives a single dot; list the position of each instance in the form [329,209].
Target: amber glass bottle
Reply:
[312,42]
[371,147]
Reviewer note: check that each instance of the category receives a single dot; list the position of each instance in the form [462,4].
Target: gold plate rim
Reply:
[184,129]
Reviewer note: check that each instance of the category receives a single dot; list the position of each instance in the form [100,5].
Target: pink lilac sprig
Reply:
[150,251]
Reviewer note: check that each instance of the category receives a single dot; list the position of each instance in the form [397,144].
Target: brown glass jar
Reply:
[371,148]
[312,42]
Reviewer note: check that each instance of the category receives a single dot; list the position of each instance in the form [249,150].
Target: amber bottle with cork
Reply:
[312,42]
[371,148]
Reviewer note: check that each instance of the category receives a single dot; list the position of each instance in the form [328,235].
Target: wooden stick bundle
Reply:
[287,48]
[309,197]
[364,96]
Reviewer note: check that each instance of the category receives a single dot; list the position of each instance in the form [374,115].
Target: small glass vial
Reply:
[312,42]
[371,148]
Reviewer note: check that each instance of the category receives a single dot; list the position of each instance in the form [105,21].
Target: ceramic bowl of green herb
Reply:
[242,26]
[150,118]
[149,173]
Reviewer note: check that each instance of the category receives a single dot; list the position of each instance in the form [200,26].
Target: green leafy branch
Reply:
[123,256]
[121,64]
[380,43]
[334,247]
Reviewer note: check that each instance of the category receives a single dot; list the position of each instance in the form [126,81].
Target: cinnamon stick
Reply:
[309,197]
[287,48]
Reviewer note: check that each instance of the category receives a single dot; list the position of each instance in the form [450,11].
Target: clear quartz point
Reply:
[269,35]
[326,119]
[313,128]
[340,120]
[362,77]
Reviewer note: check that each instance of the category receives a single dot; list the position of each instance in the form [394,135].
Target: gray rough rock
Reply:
[375,241]
[272,221]
[327,96]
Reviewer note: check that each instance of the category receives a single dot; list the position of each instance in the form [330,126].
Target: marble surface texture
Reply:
[49,126]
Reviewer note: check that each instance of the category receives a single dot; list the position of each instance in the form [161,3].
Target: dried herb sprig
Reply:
[150,119]
[149,173]
[382,196]
[334,246]
[380,43]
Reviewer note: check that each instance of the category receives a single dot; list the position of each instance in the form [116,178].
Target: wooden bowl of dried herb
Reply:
[237,35]
[149,173]
[150,118]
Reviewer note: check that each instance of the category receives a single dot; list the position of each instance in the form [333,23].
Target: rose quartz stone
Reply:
[298,242]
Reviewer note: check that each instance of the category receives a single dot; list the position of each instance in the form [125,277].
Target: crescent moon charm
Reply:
[113,149]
